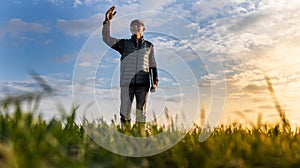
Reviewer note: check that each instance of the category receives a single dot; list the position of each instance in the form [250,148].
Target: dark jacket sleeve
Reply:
[111,41]
[153,66]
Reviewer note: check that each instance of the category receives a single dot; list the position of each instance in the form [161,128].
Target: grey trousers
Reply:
[127,94]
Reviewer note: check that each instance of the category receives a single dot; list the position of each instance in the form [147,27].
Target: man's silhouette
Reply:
[138,67]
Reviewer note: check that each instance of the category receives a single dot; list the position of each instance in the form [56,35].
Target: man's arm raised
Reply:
[110,41]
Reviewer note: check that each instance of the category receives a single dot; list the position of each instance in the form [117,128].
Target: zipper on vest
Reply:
[136,60]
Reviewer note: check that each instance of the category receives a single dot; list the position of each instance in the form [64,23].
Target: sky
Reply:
[221,50]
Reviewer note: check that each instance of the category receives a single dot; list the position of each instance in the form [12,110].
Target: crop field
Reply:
[26,140]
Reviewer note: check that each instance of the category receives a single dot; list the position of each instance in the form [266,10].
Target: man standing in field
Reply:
[138,65]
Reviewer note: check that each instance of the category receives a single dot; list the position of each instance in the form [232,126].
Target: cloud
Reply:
[77,3]
[86,64]
[249,111]
[209,8]
[79,26]
[66,58]
[165,79]
[18,87]
[174,99]
[47,42]
[249,22]
[266,107]
[60,83]
[18,28]
[86,26]
[258,100]
[26,89]
[156,5]
[253,88]
[204,84]
[56,2]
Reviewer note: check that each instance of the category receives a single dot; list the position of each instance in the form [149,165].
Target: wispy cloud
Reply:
[156,5]
[77,3]
[85,26]
[79,26]
[266,107]
[56,2]
[60,83]
[18,28]
[65,58]
[253,88]
[18,87]
[49,41]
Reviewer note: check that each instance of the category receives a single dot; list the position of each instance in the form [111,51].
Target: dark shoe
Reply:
[125,124]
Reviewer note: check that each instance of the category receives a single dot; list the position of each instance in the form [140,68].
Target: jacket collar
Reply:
[133,38]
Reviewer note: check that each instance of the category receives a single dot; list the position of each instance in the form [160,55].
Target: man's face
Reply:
[137,28]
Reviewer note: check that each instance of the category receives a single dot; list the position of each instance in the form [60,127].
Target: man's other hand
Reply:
[153,87]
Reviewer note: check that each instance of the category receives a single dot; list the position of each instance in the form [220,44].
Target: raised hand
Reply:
[110,13]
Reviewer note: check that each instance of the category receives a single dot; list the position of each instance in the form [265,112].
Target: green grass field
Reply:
[26,140]
[29,141]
